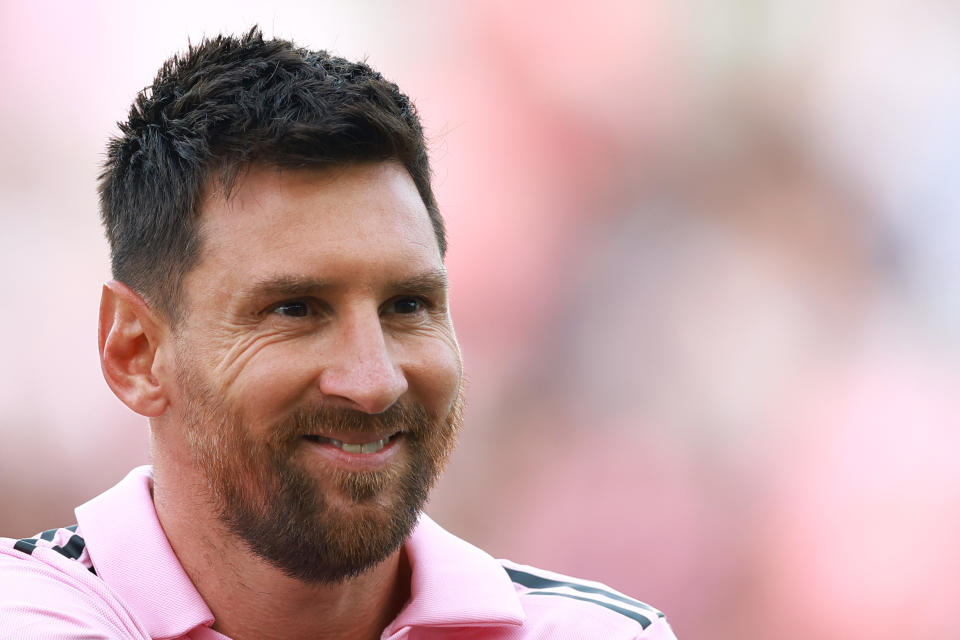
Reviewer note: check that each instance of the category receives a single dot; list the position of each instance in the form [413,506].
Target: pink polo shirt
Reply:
[115,577]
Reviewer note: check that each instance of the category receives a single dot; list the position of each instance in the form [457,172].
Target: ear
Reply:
[129,336]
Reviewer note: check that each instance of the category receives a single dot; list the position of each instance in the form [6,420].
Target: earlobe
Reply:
[129,336]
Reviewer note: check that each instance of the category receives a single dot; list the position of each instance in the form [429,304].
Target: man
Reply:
[280,313]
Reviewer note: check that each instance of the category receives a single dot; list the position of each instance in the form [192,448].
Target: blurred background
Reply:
[705,261]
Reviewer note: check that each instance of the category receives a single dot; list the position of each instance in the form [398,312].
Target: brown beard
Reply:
[275,506]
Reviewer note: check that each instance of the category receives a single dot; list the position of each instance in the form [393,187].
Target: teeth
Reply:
[366,447]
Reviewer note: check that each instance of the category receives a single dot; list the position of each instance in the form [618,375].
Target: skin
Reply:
[314,287]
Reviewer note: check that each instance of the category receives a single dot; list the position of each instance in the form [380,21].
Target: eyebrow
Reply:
[426,282]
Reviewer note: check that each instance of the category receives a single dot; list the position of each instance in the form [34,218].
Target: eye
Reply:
[292,309]
[405,306]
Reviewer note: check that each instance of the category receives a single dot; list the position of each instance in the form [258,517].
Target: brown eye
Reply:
[406,306]
[294,309]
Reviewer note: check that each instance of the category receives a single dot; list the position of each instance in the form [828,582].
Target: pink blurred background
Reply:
[705,262]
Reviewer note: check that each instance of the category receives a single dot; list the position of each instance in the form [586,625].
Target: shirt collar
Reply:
[454,584]
[132,555]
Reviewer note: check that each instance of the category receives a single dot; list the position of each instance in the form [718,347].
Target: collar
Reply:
[453,583]
[132,555]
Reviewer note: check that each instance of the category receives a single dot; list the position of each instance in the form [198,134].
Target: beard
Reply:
[277,507]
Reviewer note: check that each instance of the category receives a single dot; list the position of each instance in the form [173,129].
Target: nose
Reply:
[360,371]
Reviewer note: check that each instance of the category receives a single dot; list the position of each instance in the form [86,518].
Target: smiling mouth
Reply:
[365,447]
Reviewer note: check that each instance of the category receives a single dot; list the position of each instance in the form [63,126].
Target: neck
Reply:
[249,597]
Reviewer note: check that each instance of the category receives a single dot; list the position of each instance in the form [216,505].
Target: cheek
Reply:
[435,376]
[271,383]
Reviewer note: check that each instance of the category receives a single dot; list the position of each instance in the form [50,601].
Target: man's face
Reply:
[319,377]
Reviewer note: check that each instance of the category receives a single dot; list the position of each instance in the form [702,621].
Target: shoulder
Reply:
[48,590]
[560,606]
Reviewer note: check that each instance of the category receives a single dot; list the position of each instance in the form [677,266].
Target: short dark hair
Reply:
[224,105]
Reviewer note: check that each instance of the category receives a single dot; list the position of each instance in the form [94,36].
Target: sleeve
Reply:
[46,598]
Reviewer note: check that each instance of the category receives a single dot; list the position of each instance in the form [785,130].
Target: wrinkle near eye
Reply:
[241,351]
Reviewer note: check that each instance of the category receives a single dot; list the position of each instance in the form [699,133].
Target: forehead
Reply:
[371,196]
[296,222]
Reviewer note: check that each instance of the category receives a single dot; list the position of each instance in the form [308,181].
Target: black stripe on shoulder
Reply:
[26,545]
[540,585]
[72,549]
[533,581]
[630,613]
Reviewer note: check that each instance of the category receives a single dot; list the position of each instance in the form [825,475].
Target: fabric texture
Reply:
[114,576]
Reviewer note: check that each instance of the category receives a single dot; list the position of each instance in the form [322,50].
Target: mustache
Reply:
[412,420]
